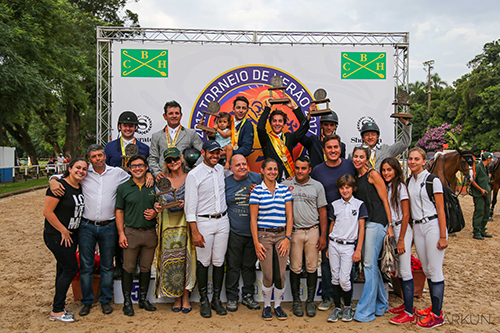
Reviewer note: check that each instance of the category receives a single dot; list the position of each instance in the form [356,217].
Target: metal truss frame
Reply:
[106,36]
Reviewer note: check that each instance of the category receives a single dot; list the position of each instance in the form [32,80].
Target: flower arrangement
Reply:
[435,138]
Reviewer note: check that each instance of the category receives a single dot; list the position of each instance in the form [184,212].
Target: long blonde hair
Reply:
[167,171]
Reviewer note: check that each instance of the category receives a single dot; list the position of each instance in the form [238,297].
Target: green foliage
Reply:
[473,102]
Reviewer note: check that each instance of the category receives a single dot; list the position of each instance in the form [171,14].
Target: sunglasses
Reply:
[169,160]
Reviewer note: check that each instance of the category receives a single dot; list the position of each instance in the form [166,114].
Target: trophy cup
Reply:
[212,109]
[320,98]
[130,150]
[402,100]
[165,187]
[277,84]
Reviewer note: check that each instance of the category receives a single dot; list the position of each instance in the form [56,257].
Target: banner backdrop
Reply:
[359,82]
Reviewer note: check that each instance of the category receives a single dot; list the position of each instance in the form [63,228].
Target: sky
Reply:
[451,33]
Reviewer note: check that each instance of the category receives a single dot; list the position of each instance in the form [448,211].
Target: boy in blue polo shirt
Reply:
[348,226]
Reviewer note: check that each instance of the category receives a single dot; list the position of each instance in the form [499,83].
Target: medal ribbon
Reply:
[171,143]
[235,135]
[282,150]
[122,146]
[373,158]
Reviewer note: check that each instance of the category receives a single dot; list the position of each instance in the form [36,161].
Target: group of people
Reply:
[321,205]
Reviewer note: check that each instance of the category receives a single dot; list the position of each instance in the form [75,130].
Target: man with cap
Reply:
[279,145]
[314,143]
[481,193]
[206,212]
[240,256]
[173,135]
[370,134]
[114,150]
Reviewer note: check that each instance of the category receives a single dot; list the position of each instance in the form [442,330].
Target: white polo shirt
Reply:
[346,215]
[421,204]
[397,213]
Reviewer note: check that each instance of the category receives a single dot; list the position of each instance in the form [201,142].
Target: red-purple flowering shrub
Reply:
[435,138]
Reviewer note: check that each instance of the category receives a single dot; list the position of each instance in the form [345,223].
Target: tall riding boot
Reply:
[297,303]
[127,280]
[218,278]
[312,280]
[144,279]
[202,280]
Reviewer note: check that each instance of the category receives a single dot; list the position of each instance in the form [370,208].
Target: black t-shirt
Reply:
[69,210]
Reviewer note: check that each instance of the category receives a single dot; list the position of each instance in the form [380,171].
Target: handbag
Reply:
[389,260]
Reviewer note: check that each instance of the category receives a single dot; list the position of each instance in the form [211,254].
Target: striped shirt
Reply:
[271,206]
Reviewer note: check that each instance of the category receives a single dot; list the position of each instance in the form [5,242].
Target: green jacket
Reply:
[482,179]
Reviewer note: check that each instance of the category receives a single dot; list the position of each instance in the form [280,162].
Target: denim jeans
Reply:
[373,299]
[89,236]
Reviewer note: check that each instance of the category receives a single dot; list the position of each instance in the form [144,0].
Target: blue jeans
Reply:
[373,299]
[105,236]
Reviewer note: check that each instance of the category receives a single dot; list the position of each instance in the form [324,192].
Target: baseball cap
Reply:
[171,152]
[211,145]
[487,155]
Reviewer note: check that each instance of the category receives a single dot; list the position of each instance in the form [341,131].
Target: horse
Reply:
[445,166]
[494,170]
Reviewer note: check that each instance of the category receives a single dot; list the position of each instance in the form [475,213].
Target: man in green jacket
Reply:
[481,192]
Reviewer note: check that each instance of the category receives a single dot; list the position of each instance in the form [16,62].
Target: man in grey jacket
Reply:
[370,134]
[173,135]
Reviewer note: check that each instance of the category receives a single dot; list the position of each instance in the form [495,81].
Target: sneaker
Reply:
[326,304]
[65,318]
[280,314]
[249,302]
[353,306]
[232,306]
[403,318]
[266,313]
[336,315]
[397,310]
[431,321]
[425,312]
[347,313]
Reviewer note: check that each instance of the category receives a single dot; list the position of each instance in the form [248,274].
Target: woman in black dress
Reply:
[62,219]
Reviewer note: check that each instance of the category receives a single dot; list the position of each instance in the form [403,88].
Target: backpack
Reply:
[454,217]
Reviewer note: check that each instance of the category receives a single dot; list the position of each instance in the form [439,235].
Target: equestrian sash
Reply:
[283,152]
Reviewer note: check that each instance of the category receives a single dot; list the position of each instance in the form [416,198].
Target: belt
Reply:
[100,223]
[425,219]
[341,241]
[397,223]
[307,228]
[275,230]
[217,216]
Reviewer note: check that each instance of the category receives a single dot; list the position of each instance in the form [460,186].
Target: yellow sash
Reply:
[235,135]
[171,143]
[283,152]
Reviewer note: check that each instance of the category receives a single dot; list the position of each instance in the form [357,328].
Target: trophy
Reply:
[165,187]
[212,109]
[320,98]
[402,100]
[277,84]
[130,150]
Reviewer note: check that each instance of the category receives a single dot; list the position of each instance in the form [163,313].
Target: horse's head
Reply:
[467,160]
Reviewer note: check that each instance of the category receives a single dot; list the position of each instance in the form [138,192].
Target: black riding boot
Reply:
[218,278]
[144,279]
[202,280]
[312,280]
[127,280]
[297,303]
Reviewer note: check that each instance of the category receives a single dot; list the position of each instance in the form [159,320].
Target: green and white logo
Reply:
[363,66]
[144,63]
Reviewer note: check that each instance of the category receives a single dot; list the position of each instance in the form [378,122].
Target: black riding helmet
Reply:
[370,127]
[128,117]
[332,116]
[191,155]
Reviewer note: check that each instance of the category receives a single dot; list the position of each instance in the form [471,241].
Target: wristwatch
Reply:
[289,237]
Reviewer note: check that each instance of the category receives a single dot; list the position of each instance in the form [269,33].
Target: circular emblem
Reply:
[131,149]
[145,124]
[213,107]
[320,94]
[164,184]
[363,120]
